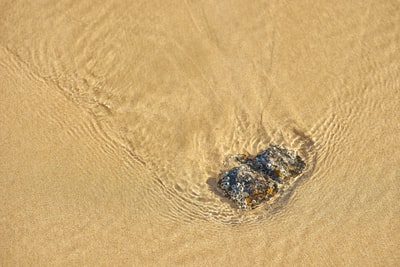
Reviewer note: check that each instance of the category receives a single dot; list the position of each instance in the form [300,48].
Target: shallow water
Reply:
[116,119]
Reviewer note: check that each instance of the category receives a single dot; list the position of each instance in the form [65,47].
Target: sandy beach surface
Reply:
[116,118]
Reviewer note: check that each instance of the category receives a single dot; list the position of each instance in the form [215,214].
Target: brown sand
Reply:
[116,118]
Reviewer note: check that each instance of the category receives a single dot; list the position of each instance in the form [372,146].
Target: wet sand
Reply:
[116,118]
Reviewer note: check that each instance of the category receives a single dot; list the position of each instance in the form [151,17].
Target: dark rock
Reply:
[258,178]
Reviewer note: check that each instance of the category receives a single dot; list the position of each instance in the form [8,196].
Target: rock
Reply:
[258,178]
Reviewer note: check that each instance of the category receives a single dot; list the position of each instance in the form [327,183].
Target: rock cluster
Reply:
[258,178]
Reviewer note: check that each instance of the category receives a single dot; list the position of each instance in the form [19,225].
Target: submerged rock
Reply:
[258,178]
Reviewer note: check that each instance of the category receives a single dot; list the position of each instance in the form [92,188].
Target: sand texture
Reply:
[116,117]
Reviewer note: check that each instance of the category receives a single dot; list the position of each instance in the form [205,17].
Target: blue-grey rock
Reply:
[258,178]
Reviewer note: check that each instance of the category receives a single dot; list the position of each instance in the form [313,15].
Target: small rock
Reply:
[258,178]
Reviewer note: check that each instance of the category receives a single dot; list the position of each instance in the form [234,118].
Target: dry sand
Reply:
[115,119]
